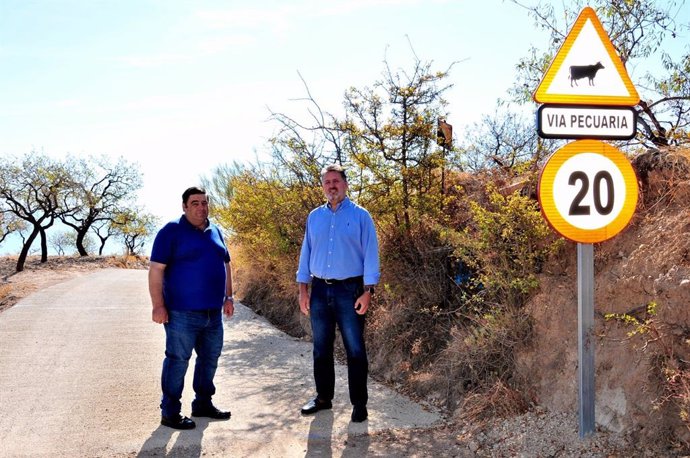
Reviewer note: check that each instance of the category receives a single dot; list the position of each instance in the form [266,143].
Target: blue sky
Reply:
[181,86]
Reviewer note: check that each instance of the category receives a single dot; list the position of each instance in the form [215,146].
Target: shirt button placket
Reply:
[331,237]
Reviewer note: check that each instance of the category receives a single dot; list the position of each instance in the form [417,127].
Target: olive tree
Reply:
[31,188]
[135,227]
[98,189]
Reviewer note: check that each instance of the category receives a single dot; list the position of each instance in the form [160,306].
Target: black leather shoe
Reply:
[359,414]
[212,412]
[315,405]
[178,422]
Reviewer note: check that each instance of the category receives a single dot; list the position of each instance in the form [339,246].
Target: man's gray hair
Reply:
[334,168]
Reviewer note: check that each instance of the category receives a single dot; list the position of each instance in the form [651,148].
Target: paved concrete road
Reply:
[79,376]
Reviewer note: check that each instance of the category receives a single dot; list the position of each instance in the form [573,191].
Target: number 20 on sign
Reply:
[588,191]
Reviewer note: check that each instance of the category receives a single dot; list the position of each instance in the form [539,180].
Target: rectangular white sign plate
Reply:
[582,121]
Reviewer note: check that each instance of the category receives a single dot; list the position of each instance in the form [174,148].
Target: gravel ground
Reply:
[541,433]
[537,433]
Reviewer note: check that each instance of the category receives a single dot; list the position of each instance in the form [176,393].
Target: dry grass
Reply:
[499,401]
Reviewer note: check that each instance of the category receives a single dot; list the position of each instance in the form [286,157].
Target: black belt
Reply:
[334,281]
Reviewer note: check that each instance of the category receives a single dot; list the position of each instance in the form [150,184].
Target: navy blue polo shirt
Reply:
[194,277]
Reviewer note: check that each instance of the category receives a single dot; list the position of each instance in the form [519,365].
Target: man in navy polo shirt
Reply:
[340,259]
[190,282]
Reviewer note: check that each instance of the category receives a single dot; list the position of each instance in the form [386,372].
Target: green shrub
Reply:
[267,219]
[506,244]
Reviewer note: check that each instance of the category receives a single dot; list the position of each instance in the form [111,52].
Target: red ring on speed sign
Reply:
[588,191]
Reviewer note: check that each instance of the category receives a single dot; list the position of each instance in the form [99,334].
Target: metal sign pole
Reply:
[564,182]
[585,341]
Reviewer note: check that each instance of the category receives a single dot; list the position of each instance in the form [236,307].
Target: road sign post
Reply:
[588,193]
[585,337]
[587,189]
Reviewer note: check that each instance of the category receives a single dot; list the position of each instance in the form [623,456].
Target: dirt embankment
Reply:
[642,369]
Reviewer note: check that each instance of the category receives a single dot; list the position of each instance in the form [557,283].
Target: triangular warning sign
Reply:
[587,69]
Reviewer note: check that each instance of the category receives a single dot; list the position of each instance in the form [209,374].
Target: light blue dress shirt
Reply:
[339,244]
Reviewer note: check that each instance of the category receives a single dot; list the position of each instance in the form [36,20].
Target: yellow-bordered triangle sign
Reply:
[587,69]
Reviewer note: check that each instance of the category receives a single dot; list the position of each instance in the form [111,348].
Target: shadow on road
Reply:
[186,443]
[358,441]
[319,441]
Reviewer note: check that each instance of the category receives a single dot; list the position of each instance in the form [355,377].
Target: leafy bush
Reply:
[506,244]
[451,317]
[267,219]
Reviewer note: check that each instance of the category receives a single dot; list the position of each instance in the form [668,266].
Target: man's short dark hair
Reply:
[190,192]
[334,168]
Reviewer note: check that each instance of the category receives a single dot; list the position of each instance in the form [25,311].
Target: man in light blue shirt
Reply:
[340,259]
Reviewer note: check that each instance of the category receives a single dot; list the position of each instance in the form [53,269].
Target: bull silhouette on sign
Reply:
[578,72]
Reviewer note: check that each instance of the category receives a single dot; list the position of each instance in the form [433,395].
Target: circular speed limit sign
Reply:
[588,191]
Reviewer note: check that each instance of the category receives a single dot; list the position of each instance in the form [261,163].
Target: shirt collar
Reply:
[344,204]
[185,221]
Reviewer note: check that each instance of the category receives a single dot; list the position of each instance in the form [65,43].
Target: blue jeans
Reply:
[184,331]
[332,305]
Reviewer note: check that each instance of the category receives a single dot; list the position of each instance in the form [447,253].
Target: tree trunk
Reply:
[103,240]
[80,243]
[44,246]
[25,250]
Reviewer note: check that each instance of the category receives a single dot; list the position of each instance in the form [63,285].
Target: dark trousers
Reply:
[331,305]
[184,332]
